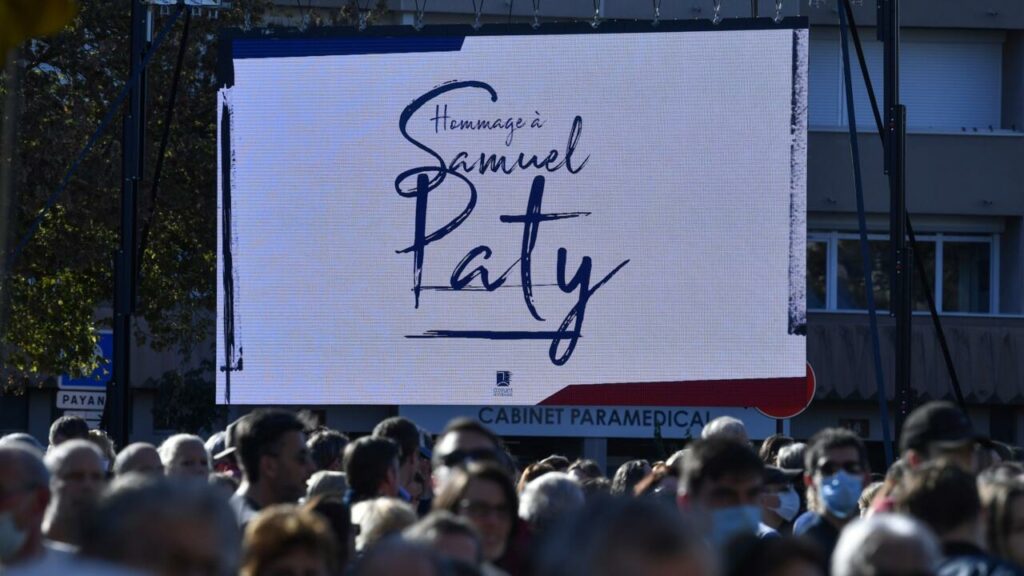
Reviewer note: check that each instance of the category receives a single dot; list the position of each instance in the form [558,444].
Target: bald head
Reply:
[23,465]
[141,458]
[77,473]
[25,484]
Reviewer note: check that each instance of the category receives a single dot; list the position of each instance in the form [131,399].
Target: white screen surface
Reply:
[670,168]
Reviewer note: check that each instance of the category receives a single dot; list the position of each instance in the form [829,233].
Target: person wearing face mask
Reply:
[780,503]
[721,486]
[836,471]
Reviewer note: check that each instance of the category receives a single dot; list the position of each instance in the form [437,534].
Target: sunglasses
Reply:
[830,468]
[462,456]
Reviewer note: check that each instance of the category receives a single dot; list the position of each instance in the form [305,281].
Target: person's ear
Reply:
[268,466]
[41,501]
[914,458]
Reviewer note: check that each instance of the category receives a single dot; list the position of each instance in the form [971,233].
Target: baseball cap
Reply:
[230,440]
[941,424]
[776,475]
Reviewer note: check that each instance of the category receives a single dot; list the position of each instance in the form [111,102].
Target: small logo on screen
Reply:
[504,378]
[503,381]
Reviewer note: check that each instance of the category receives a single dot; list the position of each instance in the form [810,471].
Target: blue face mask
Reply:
[840,492]
[728,523]
[789,505]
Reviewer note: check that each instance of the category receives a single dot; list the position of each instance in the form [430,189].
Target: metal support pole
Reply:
[901,295]
[118,406]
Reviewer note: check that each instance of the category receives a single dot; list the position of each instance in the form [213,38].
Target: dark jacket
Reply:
[964,559]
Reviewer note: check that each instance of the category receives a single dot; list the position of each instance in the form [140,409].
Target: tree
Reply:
[60,288]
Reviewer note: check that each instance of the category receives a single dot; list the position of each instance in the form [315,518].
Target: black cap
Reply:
[776,475]
[230,440]
[936,424]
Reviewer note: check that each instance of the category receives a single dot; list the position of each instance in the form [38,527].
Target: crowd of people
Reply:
[276,495]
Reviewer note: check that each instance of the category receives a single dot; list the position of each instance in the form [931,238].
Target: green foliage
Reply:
[61,287]
[185,402]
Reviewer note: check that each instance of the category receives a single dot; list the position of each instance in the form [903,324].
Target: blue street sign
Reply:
[101,375]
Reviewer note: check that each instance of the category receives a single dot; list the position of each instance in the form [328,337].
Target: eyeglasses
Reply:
[476,509]
[462,456]
[829,467]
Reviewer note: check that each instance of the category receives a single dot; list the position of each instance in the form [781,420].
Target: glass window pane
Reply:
[850,292]
[925,253]
[817,253]
[965,276]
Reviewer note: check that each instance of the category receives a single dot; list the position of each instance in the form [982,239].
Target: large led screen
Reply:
[562,216]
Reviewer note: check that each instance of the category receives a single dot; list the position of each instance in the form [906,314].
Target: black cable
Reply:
[918,264]
[164,138]
[865,250]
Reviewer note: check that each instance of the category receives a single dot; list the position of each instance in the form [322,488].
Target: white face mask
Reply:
[789,505]
[11,537]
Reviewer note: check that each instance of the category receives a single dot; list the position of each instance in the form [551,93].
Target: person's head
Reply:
[939,430]
[582,470]
[76,479]
[463,440]
[769,450]
[398,556]
[105,443]
[945,498]
[890,544]
[185,455]
[405,433]
[68,428]
[835,472]
[596,488]
[726,427]
[271,446]
[531,473]
[624,537]
[24,439]
[722,483]
[379,518]
[284,540]
[775,557]
[24,495]
[339,517]
[1004,510]
[791,457]
[663,481]
[173,527]
[629,475]
[867,498]
[452,536]
[557,462]
[141,458]
[371,467]
[781,502]
[482,493]
[326,447]
[548,499]
[327,484]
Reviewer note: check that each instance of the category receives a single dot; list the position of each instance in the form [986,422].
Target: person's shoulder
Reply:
[977,565]
[765,531]
[69,563]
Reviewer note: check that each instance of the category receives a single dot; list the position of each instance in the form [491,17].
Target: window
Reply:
[960,268]
[950,80]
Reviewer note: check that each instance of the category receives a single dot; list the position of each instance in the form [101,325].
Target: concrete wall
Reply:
[938,178]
